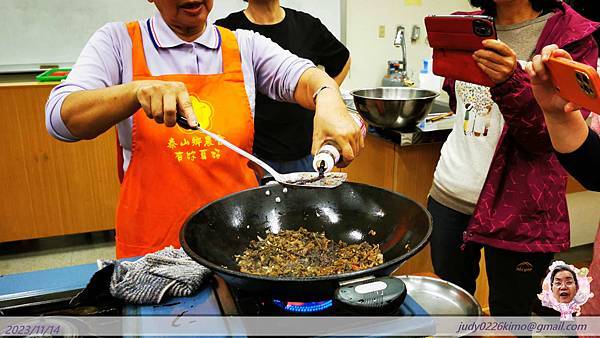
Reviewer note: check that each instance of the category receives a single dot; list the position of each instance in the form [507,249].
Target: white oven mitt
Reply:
[168,272]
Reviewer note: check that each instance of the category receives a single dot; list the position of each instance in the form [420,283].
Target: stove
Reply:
[49,292]
[411,136]
[221,299]
[58,304]
[250,306]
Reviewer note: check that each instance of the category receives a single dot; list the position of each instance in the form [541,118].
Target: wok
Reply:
[224,228]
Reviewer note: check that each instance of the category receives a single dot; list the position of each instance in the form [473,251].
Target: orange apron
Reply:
[174,171]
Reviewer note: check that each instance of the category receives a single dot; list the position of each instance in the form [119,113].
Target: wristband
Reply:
[314,97]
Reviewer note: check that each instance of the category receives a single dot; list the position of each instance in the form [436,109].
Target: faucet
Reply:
[400,41]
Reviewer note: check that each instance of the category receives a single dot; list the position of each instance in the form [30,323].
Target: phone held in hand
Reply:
[575,82]
[454,39]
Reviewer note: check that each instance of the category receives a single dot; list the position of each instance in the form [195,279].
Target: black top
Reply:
[584,163]
[283,131]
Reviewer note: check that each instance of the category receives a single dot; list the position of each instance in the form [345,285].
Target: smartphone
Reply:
[454,39]
[576,82]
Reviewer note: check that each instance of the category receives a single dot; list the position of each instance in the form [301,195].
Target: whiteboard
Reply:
[39,32]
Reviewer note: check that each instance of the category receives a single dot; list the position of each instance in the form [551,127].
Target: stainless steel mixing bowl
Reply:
[393,107]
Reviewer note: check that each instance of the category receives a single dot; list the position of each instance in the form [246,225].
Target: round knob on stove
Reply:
[380,296]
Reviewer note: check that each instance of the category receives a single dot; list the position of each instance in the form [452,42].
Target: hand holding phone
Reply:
[498,61]
[554,70]
[575,82]
[454,39]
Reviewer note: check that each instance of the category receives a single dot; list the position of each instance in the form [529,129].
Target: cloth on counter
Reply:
[166,273]
[97,294]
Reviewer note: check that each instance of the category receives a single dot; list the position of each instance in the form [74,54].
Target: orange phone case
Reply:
[576,82]
[454,39]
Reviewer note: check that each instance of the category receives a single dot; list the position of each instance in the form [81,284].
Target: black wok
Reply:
[224,228]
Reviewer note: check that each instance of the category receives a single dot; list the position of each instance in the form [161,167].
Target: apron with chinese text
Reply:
[174,171]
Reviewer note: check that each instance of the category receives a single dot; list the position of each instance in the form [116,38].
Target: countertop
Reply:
[18,78]
[426,132]
[174,316]
[22,80]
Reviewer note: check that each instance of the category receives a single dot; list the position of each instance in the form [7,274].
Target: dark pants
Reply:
[514,278]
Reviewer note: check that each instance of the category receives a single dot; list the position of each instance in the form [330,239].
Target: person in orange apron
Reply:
[171,171]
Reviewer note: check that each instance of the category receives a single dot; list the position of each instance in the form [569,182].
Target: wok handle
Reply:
[377,296]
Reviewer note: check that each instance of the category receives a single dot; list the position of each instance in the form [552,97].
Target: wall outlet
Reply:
[381,31]
[416,33]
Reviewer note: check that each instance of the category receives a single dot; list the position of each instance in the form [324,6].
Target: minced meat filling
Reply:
[301,253]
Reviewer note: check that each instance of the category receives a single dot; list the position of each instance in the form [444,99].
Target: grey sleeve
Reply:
[99,66]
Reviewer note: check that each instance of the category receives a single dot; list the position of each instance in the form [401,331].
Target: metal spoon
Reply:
[301,179]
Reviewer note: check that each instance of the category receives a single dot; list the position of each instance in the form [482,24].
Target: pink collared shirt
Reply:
[106,61]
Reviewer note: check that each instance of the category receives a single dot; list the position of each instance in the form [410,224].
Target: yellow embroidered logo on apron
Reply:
[199,146]
[204,114]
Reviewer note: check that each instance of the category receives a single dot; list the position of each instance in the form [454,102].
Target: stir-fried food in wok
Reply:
[301,253]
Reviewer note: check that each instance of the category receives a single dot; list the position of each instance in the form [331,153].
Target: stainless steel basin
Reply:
[393,107]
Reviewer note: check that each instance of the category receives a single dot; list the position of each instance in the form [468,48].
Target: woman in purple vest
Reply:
[504,190]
